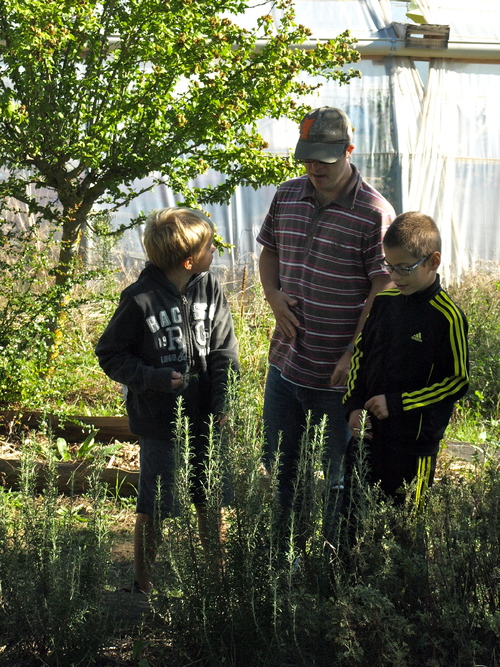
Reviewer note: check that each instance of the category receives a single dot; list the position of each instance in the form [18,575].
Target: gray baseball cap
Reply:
[324,135]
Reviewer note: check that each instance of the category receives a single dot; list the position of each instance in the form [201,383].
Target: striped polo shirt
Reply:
[327,258]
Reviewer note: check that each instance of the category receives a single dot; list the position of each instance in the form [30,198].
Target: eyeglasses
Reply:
[402,270]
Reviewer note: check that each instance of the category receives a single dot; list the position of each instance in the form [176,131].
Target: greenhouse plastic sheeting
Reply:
[427,131]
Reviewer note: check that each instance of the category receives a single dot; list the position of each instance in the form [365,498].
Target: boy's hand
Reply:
[221,419]
[377,405]
[176,380]
[355,425]
[341,371]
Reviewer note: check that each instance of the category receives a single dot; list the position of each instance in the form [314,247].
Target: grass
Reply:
[392,588]
[477,416]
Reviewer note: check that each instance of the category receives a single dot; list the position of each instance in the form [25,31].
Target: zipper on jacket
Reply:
[189,335]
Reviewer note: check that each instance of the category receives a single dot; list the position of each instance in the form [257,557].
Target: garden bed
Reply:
[120,474]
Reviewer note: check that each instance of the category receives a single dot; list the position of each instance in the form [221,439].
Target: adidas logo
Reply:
[417,337]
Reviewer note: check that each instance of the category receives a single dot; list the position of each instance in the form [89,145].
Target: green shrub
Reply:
[478,295]
[393,585]
[388,587]
[31,375]
[52,573]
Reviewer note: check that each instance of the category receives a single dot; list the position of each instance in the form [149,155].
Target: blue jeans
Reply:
[286,406]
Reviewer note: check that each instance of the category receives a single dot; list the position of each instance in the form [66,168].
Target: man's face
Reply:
[329,179]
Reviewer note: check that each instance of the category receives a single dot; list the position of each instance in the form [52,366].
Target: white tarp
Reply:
[456,174]
[468,19]
[429,143]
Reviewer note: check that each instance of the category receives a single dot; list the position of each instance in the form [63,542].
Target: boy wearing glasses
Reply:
[320,270]
[410,362]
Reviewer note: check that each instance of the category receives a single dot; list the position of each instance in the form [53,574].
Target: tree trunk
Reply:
[68,254]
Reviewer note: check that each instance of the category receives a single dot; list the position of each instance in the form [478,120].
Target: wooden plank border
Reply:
[74,428]
[73,477]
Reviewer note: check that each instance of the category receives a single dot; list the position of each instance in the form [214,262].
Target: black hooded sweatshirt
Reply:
[157,330]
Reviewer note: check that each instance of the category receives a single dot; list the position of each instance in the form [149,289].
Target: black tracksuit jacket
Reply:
[156,330]
[414,350]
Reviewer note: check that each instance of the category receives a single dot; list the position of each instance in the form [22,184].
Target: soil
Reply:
[123,519]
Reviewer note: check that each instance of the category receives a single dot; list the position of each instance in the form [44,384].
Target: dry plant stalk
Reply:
[243,289]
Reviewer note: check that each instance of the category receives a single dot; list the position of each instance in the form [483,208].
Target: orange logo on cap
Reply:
[305,127]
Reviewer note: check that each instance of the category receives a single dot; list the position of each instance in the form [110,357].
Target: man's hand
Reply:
[176,380]
[281,303]
[355,425]
[377,405]
[341,370]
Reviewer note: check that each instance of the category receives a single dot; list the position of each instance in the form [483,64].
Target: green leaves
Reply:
[122,89]
[87,451]
[95,96]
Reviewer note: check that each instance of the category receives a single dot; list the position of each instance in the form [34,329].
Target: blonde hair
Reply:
[415,232]
[173,234]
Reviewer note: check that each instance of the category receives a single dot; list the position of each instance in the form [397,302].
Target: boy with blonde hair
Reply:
[410,362]
[172,335]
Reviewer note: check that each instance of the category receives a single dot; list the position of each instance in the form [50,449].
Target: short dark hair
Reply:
[416,232]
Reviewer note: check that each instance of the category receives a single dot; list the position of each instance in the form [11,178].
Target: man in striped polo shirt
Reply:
[320,268]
